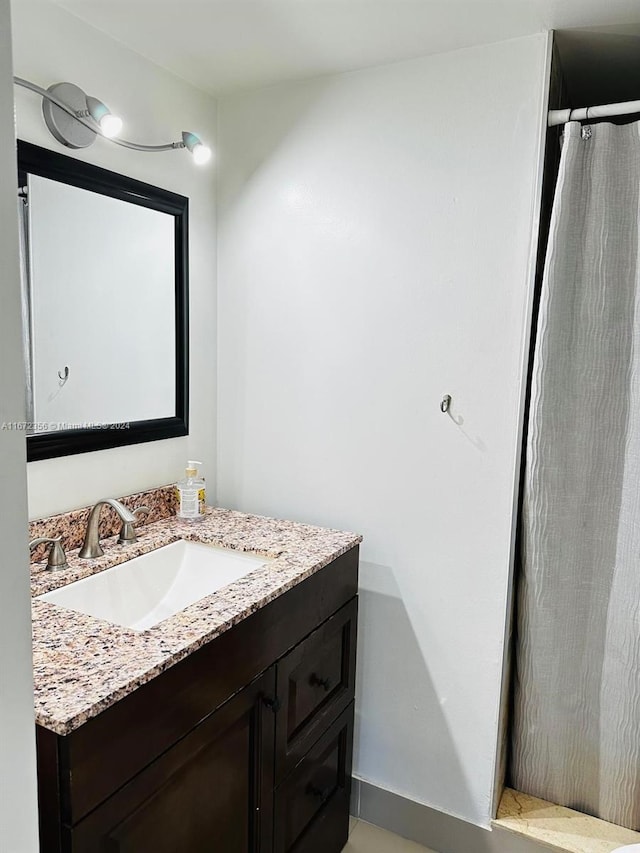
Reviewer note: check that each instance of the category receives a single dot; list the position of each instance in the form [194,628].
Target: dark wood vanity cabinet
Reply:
[245,746]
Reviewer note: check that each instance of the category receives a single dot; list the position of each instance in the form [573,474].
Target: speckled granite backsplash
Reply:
[162,503]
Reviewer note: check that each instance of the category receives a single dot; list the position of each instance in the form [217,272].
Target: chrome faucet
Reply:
[57,559]
[91,547]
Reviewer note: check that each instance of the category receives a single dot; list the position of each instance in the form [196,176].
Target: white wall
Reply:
[18,808]
[50,46]
[375,234]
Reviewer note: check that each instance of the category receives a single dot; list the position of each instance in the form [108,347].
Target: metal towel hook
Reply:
[66,374]
[446,402]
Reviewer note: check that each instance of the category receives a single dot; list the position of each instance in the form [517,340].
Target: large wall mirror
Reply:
[105,306]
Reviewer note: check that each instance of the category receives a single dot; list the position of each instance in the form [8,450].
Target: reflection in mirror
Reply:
[104,286]
[101,274]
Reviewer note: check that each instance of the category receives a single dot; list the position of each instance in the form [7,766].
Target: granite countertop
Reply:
[83,665]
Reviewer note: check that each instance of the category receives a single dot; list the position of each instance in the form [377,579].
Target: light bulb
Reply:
[110,125]
[201,153]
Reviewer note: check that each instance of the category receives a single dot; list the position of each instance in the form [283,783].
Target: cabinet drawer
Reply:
[315,683]
[312,804]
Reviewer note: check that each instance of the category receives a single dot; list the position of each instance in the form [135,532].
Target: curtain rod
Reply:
[584,113]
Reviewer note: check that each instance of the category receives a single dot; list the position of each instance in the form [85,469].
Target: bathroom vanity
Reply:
[226,727]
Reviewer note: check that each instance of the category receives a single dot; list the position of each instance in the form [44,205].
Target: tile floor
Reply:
[365,838]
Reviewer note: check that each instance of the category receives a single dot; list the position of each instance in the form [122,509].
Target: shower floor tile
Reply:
[560,828]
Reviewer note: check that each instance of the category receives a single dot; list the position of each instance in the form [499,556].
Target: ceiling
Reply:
[228,45]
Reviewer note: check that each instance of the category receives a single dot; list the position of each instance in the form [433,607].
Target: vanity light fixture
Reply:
[75,119]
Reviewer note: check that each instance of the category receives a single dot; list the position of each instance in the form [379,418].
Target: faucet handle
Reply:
[57,558]
[127,531]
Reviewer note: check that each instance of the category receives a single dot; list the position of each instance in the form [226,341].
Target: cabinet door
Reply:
[316,682]
[211,792]
[312,804]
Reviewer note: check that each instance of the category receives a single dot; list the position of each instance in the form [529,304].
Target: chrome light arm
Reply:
[89,123]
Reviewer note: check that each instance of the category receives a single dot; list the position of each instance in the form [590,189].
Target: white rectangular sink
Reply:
[148,589]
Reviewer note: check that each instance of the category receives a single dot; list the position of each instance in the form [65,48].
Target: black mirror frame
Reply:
[35,160]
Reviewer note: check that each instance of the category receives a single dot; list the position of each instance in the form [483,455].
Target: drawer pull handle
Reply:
[323,796]
[316,681]
[275,704]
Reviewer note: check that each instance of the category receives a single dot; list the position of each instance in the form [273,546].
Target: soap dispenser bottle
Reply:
[191,494]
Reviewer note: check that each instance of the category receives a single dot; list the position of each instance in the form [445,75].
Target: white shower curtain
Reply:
[576,736]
